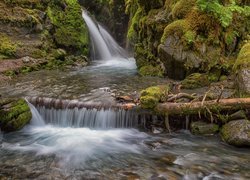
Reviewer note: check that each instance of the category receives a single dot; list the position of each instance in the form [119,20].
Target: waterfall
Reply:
[91,118]
[104,46]
[115,49]
[101,49]
[36,120]
[76,114]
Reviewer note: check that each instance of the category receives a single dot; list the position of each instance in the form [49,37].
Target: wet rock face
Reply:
[202,128]
[14,114]
[174,56]
[237,133]
[243,80]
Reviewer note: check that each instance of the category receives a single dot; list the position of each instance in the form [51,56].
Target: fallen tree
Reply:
[171,108]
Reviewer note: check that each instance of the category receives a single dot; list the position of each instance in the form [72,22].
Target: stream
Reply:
[54,146]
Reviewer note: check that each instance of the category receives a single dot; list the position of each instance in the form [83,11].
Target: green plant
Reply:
[223,12]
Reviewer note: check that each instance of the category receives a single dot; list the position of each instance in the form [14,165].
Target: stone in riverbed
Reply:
[14,114]
[202,128]
[237,133]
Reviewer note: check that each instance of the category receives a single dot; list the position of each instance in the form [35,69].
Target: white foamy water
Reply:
[74,146]
[97,40]
[117,62]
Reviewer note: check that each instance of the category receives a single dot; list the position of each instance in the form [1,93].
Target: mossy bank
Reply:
[53,31]
[185,37]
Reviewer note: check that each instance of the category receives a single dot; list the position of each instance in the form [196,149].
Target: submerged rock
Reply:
[237,133]
[202,128]
[14,114]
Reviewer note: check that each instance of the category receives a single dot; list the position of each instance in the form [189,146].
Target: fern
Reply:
[223,13]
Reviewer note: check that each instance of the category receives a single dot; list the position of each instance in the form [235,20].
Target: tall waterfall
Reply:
[104,47]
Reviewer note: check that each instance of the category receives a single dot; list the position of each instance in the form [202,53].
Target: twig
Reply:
[167,123]
[221,92]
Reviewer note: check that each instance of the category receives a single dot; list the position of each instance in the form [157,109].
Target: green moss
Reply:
[179,27]
[182,8]
[195,80]
[243,60]
[151,96]
[70,29]
[19,122]
[7,47]
[134,25]
[150,70]
[202,128]
[16,116]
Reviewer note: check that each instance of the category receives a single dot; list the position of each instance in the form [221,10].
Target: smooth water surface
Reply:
[100,81]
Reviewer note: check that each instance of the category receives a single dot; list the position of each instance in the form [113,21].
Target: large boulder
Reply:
[180,60]
[237,133]
[242,68]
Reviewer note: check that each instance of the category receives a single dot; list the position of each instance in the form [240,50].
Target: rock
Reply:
[151,96]
[243,80]
[202,128]
[124,99]
[174,56]
[14,114]
[27,59]
[157,130]
[242,69]
[238,115]
[195,80]
[59,54]
[237,133]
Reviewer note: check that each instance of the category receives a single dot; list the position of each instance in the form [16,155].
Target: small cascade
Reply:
[36,120]
[66,113]
[100,49]
[104,46]
[115,49]
[91,118]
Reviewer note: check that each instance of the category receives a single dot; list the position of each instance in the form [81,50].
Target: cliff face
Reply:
[38,28]
[179,37]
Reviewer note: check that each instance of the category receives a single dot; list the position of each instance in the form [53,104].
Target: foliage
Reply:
[7,47]
[70,30]
[223,12]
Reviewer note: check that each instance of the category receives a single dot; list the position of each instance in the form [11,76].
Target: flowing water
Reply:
[106,143]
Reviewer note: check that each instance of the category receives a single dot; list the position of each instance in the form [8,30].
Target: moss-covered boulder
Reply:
[203,128]
[236,133]
[151,96]
[195,80]
[242,69]
[14,114]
